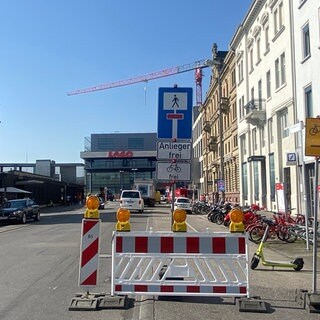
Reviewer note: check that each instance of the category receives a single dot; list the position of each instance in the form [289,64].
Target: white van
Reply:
[131,200]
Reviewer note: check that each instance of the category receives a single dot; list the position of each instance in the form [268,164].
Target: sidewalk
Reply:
[60,208]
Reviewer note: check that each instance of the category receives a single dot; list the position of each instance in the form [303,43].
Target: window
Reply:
[283,117]
[233,78]
[308,102]
[244,181]
[278,18]
[262,137]
[240,70]
[266,38]
[243,144]
[135,143]
[235,141]
[254,139]
[256,178]
[268,81]
[241,108]
[272,177]
[105,144]
[280,70]
[251,58]
[252,93]
[260,94]
[258,50]
[270,130]
[283,68]
[277,73]
[306,41]
[234,111]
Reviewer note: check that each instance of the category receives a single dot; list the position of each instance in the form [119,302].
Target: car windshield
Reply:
[14,204]
[130,194]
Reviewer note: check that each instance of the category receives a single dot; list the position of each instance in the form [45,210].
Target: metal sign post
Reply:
[312,148]
[315,224]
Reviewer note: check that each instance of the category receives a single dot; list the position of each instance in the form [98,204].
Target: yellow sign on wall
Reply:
[312,143]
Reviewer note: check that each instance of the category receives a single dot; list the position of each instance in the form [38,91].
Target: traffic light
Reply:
[123,216]
[179,218]
[92,204]
[236,217]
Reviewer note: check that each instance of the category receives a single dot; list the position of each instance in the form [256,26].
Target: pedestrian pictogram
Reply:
[175,101]
[175,113]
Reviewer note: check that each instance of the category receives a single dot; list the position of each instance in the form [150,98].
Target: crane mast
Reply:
[197,66]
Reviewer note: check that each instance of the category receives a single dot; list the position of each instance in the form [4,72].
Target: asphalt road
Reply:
[39,272]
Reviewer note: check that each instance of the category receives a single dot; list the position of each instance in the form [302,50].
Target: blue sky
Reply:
[51,47]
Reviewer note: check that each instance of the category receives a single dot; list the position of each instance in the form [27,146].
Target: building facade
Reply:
[219,135]
[115,160]
[263,46]
[306,17]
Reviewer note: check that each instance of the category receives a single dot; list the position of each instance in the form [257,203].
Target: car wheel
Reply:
[23,219]
[37,216]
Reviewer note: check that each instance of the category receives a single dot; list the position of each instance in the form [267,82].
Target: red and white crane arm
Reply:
[198,65]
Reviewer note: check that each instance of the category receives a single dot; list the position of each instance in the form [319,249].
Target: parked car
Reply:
[183,203]
[163,198]
[132,200]
[101,203]
[20,210]
[110,196]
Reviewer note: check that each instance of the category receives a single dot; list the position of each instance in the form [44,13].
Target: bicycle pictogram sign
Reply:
[314,130]
[173,167]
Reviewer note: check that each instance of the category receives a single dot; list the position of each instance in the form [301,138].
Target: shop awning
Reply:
[13,190]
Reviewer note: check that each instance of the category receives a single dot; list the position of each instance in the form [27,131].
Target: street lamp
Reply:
[134,174]
[121,182]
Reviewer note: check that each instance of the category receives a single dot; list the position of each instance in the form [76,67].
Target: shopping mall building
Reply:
[115,160]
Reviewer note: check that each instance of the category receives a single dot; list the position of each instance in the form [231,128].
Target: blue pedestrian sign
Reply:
[175,113]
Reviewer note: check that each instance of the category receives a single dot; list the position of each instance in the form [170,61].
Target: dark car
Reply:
[20,210]
[101,203]
[110,196]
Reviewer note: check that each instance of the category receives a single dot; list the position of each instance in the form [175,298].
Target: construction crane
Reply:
[197,66]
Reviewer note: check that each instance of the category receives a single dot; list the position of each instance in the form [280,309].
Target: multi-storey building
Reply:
[306,17]
[115,160]
[265,92]
[219,138]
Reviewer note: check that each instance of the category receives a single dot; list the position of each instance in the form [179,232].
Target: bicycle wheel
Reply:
[256,234]
[292,235]
[282,234]
[219,219]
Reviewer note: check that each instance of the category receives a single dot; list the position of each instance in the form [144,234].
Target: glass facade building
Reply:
[115,160]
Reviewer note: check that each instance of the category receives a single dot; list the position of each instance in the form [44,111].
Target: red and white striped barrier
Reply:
[89,256]
[158,263]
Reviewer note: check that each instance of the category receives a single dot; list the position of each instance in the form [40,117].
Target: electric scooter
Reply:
[296,264]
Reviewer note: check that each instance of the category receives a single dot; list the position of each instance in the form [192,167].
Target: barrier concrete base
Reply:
[253,305]
[313,302]
[96,301]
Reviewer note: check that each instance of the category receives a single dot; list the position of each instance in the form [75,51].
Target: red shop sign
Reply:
[120,154]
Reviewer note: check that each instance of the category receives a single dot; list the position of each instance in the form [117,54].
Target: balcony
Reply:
[224,104]
[213,140]
[255,112]
[206,126]
[213,143]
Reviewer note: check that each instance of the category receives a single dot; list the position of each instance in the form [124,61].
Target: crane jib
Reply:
[145,78]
